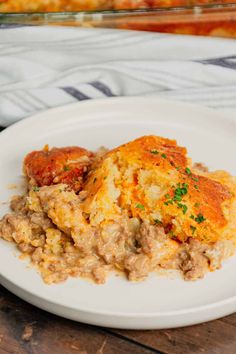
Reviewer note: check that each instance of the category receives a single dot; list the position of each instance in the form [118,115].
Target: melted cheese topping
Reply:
[151,178]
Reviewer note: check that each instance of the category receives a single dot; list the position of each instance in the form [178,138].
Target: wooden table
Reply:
[26,329]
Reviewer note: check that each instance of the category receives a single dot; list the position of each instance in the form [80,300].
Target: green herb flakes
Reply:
[158,222]
[177,198]
[170,201]
[140,206]
[154,152]
[188,171]
[178,191]
[195,179]
[200,218]
[183,207]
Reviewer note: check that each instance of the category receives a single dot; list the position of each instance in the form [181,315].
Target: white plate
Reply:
[158,302]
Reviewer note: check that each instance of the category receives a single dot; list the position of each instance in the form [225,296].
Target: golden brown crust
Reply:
[142,206]
[66,165]
[210,195]
[127,179]
[154,151]
[154,181]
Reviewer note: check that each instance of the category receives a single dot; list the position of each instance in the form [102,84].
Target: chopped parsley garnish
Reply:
[195,179]
[193,229]
[164,156]
[200,218]
[192,216]
[197,205]
[183,190]
[170,201]
[178,168]
[36,189]
[178,198]
[154,152]
[179,192]
[66,168]
[183,207]
[140,206]
[195,186]
[188,171]
[157,221]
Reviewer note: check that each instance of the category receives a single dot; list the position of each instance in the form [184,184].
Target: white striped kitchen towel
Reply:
[45,67]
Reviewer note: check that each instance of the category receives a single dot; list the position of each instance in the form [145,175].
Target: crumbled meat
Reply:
[114,242]
[18,204]
[193,261]
[100,273]
[137,266]
[15,227]
[26,248]
[40,219]
[55,277]
[135,209]
[217,253]
[37,255]
[150,237]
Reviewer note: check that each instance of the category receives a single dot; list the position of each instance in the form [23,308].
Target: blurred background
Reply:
[196,17]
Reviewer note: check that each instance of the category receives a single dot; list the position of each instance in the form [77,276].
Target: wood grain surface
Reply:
[25,329]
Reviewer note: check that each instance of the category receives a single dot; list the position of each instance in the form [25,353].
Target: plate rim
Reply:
[214,305]
[178,104]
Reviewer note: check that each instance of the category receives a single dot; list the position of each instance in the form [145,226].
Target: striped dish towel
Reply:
[45,67]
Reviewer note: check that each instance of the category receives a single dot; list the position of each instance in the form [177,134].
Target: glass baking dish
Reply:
[200,18]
